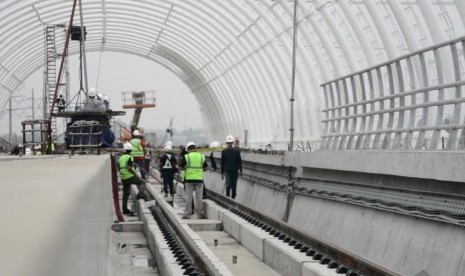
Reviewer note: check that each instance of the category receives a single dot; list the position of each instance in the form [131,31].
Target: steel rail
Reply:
[340,255]
[203,264]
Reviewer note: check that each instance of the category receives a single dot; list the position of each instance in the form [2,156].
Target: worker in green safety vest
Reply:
[138,151]
[194,164]
[128,177]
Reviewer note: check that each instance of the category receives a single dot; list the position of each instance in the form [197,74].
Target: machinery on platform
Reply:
[137,100]
[87,115]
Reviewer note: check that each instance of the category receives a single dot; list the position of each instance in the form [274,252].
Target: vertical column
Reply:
[371,120]
[362,128]
[379,127]
[421,141]
[397,144]
[390,124]
[413,102]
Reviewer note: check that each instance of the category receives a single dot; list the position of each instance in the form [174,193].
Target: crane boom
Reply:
[138,100]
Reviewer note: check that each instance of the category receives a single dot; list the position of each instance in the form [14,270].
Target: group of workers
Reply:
[190,165]
[134,155]
[97,101]
[21,149]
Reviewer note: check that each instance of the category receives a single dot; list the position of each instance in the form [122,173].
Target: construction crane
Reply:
[138,100]
[170,131]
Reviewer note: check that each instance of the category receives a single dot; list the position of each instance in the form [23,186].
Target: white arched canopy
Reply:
[236,55]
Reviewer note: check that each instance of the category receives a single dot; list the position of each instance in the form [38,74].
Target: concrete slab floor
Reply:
[130,255]
[246,263]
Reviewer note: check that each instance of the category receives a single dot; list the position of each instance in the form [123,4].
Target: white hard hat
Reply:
[127,146]
[190,144]
[136,133]
[168,147]
[100,95]
[169,143]
[229,139]
[92,92]
[106,98]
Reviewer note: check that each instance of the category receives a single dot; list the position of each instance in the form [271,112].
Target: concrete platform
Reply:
[57,214]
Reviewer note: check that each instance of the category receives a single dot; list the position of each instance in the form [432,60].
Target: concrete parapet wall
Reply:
[57,215]
[402,243]
[438,165]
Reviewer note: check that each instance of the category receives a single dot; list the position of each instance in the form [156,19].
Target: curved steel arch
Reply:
[233,55]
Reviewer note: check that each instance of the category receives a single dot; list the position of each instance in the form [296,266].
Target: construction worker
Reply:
[128,176]
[138,151]
[95,103]
[168,168]
[194,164]
[231,166]
[61,103]
[106,101]
[38,150]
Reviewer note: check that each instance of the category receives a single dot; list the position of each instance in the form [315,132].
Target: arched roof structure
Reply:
[236,55]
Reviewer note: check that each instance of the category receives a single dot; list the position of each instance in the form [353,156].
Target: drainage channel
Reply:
[335,258]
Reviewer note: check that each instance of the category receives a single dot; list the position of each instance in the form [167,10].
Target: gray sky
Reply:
[122,72]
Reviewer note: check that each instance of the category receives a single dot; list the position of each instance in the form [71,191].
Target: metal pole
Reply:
[83,47]
[10,120]
[33,111]
[294,54]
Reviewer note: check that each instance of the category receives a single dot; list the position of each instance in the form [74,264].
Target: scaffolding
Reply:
[50,79]
[35,133]
[85,137]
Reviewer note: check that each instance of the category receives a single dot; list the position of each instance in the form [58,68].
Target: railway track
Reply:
[194,258]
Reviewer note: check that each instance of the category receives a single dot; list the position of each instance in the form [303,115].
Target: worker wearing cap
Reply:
[128,177]
[167,169]
[61,103]
[231,166]
[138,151]
[194,164]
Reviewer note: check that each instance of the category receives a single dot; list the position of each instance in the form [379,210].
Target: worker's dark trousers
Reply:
[168,178]
[231,183]
[127,189]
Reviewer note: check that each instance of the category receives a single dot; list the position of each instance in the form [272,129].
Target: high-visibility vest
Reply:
[194,166]
[168,164]
[124,173]
[137,149]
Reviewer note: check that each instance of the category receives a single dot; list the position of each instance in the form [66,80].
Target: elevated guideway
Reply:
[56,214]
[401,210]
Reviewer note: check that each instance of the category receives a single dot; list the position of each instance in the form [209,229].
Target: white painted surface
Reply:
[56,216]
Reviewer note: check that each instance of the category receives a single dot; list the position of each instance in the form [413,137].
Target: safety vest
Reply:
[137,149]
[194,166]
[124,173]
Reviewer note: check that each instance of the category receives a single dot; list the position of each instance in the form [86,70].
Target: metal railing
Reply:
[413,102]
